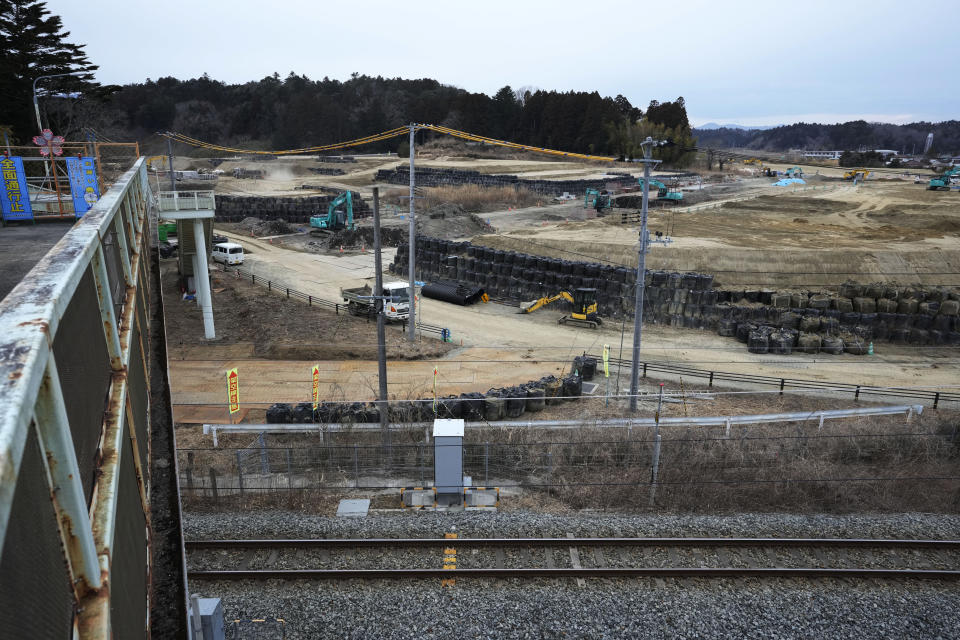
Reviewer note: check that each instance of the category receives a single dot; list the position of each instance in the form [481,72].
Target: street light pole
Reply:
[647,146]
[36,111]
[36,104]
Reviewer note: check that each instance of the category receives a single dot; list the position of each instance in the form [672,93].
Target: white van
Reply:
[228,253]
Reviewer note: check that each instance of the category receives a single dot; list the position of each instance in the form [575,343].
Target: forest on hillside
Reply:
[854,135]
[283,113]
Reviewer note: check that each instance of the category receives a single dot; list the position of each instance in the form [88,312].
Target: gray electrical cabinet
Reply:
[448,461]
[210,612]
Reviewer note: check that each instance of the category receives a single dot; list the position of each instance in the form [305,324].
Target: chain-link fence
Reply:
[860,467]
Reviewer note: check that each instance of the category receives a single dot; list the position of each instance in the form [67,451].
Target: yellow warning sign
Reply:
[316,386]
[606,361]
[233,390]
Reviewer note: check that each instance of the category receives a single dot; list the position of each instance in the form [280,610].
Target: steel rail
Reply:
[788,572]
[570,542]
[607,572]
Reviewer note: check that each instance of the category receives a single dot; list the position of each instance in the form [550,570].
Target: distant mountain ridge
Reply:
[906,138]
[710,126]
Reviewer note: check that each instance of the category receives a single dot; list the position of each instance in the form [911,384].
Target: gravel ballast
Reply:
[603,608]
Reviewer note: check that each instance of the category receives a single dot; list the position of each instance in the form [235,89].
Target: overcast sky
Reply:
[751,63]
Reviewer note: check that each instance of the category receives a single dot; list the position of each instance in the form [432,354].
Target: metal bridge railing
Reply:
[185,200]
[74,428]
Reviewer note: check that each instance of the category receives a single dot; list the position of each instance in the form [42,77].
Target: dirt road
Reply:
[493,328]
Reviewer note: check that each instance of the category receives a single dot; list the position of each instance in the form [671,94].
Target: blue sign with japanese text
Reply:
[83,183]
[14,196]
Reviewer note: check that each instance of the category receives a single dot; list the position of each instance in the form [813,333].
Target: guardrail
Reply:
[311,300]
[695,421]
[784,384]
[75,428]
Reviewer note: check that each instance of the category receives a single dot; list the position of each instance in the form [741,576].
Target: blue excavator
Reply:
[663,193]
[339,216]
[596,199]
[943,180]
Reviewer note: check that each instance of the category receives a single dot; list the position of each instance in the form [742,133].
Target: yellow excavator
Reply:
[157,163]
[855,174]
[584,303]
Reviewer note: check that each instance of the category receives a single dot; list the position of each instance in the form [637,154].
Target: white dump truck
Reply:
[361,303]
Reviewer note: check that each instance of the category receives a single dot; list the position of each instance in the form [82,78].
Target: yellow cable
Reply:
[385,135]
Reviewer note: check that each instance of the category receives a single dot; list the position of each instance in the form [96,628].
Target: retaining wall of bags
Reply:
[296,210]
[847,320]
[429,177]
[499,403]
[525,277]
[344,159]
[811,321]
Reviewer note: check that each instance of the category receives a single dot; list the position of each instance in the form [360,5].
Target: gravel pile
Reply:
[603,608]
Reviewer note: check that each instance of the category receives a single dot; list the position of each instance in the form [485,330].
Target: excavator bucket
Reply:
[526,306]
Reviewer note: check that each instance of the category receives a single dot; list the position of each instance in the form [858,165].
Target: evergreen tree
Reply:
[663,121]
[506,111]
[34,44]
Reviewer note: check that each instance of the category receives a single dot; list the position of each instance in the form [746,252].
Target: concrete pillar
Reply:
[202,277]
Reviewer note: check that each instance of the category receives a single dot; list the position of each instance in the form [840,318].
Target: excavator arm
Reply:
[329,222]
[530,307]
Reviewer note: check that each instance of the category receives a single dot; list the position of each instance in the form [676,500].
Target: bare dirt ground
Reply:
[274,340]
[490,329]
[884,230]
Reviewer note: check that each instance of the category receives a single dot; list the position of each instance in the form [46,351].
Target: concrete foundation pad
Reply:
[482,498]
[353,508]
[418,498]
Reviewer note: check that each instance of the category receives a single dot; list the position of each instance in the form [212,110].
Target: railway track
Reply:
[579,557]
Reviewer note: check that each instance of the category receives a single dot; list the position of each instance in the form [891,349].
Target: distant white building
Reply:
[826,155]
[886,153]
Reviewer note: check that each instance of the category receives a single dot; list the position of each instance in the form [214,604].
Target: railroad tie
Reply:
[575,561]
[449,561]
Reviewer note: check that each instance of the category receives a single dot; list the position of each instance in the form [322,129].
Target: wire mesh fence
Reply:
[686,469]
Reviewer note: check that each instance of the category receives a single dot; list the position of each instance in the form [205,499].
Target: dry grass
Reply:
[853,466]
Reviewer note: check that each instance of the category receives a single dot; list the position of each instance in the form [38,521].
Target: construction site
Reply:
[798,356]
[510,379]
[510,321]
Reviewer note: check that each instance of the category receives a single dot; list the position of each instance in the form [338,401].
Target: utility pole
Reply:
[381,335]
[412,320]
[647,146]
[173,182]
